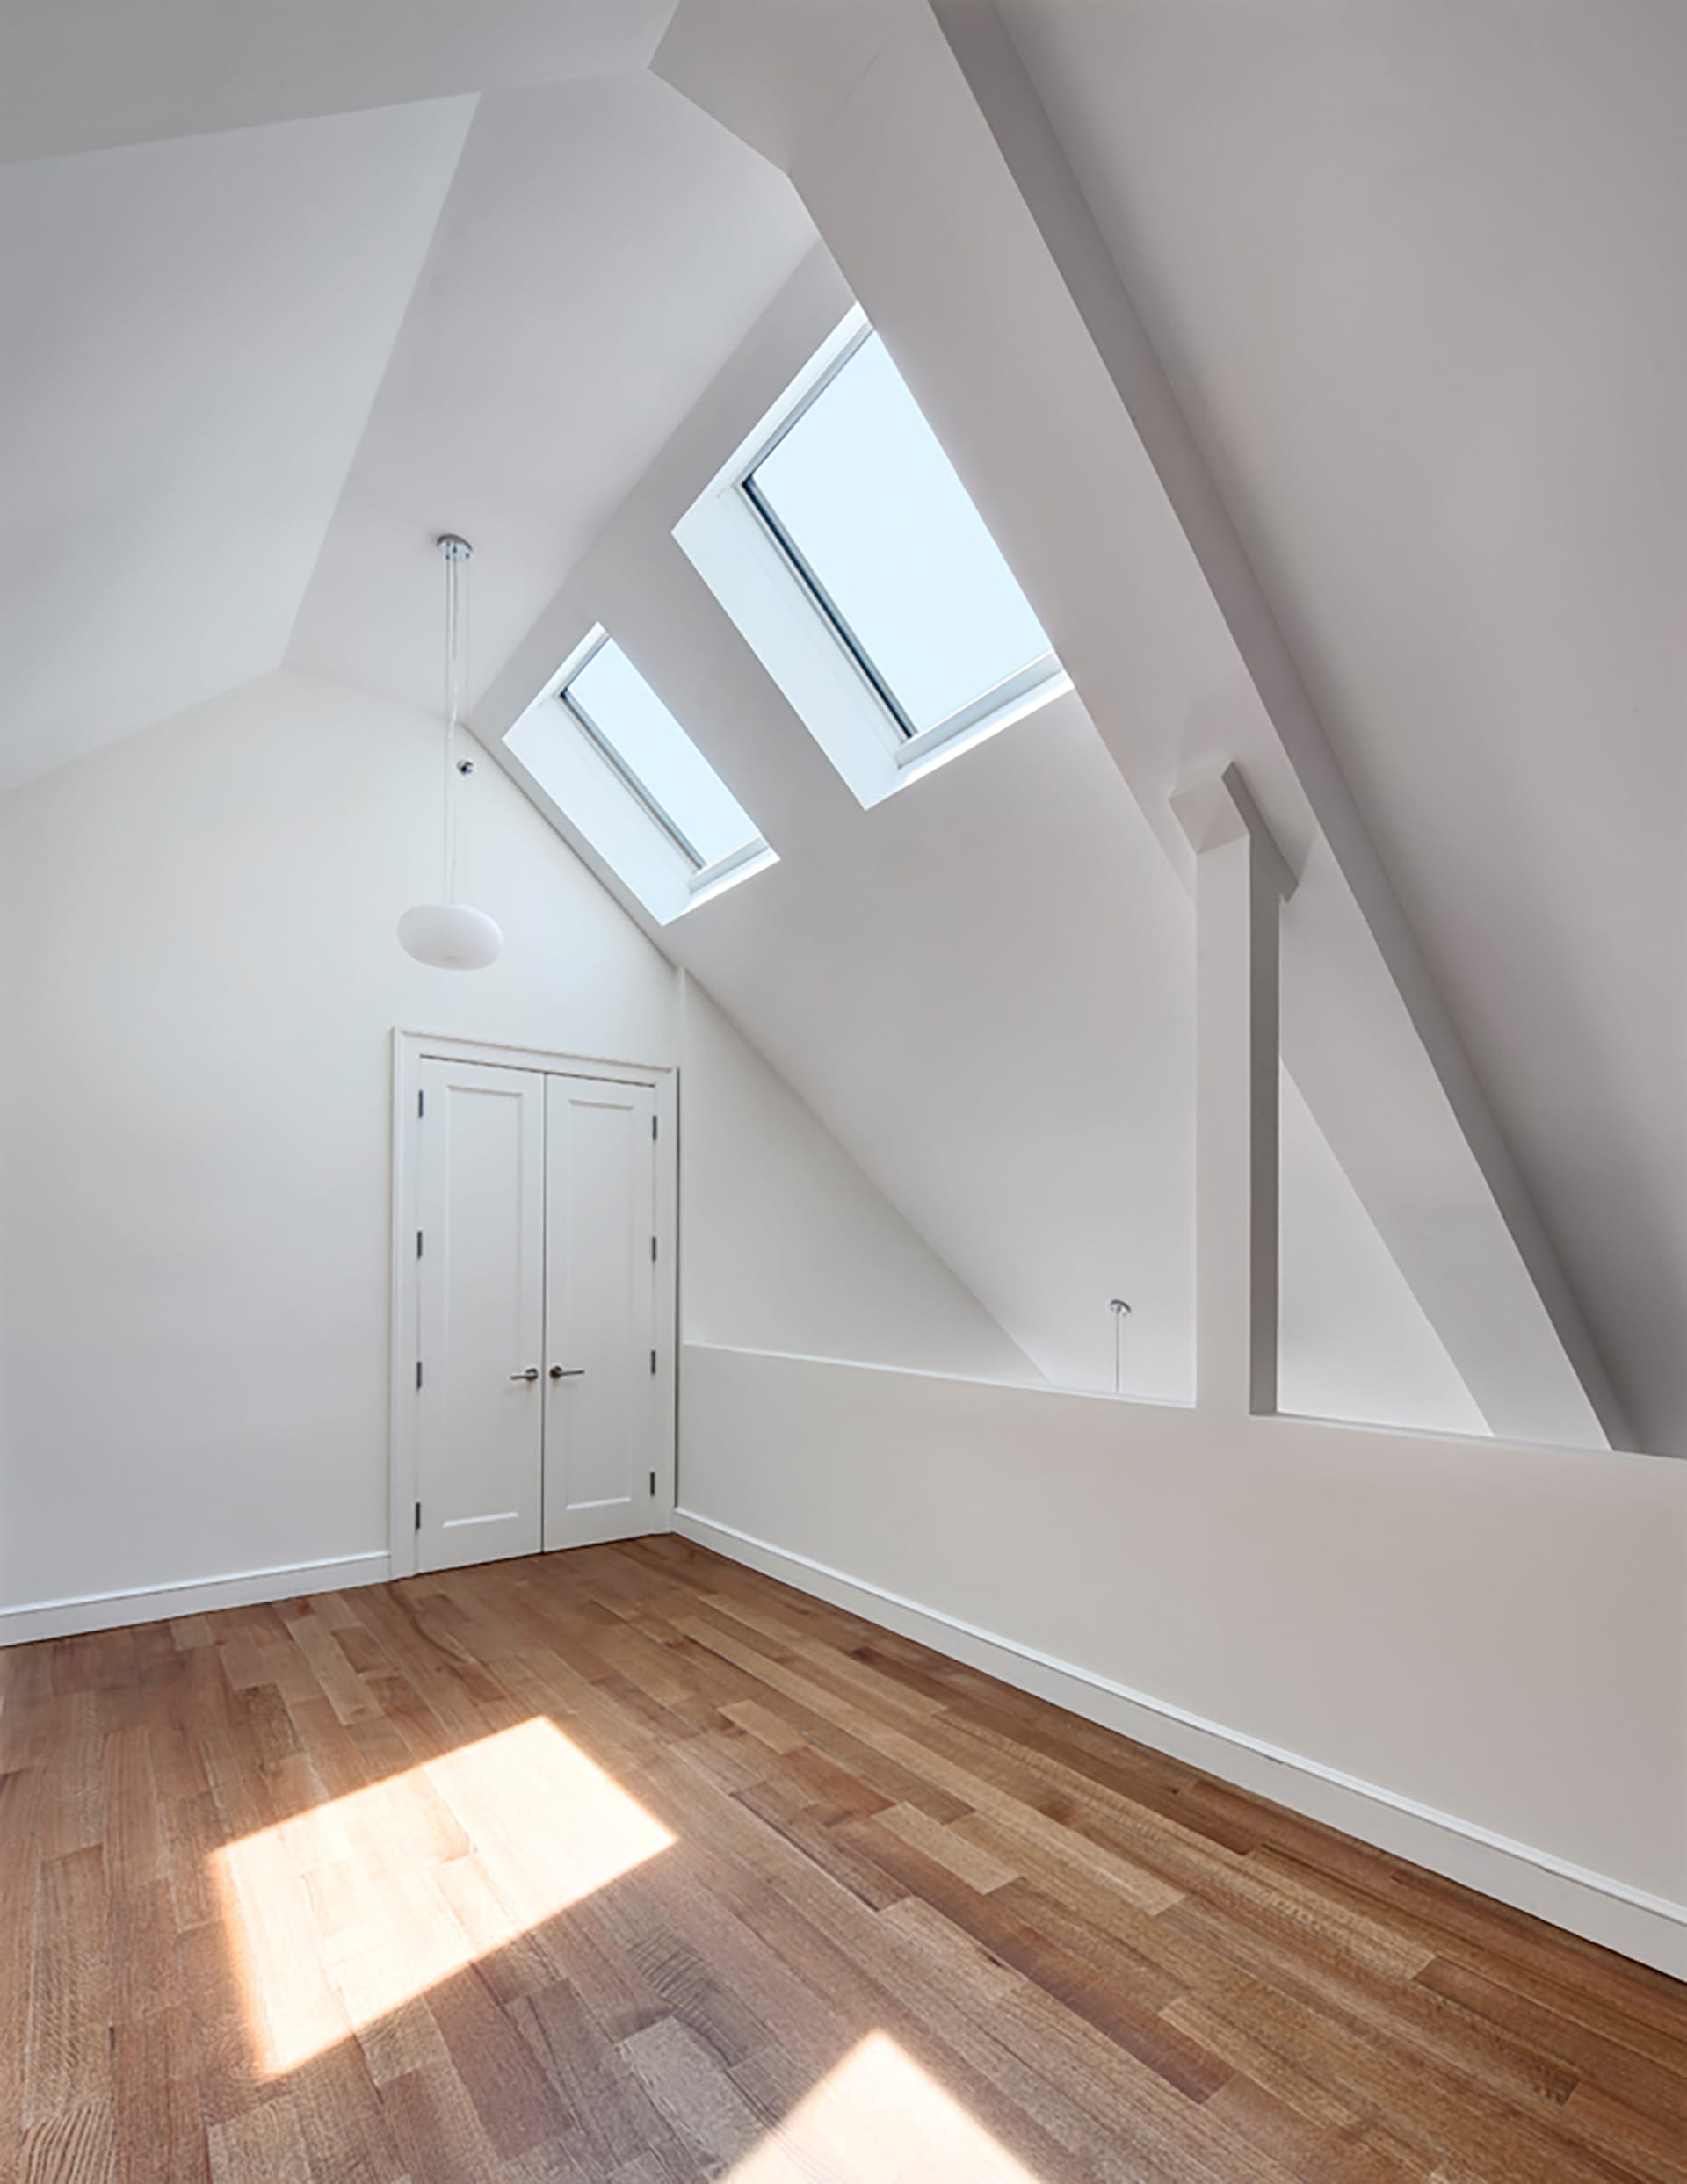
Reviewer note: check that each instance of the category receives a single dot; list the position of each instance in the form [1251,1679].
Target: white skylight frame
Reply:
[759,573]
[574,771]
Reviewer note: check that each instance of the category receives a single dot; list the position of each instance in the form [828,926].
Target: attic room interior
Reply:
[843,1191]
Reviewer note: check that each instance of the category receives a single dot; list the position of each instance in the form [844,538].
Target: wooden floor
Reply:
[629,1866]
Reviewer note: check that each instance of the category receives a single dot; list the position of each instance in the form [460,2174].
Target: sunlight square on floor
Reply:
[877,2118]
[345,1912]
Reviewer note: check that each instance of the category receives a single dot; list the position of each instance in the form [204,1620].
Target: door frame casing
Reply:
[410,1049]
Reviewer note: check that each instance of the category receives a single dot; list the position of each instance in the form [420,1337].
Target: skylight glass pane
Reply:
[688,797]
[872,506]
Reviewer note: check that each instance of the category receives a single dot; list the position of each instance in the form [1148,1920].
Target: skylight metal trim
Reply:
[1033,684]
[647,802]
[852,338]
[828,609]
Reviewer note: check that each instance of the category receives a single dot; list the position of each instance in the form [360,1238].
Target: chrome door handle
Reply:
[531,1373]
[567,1372]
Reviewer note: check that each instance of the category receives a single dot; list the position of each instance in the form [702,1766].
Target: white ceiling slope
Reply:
[1412,270]
[79,75]
[605,247]
[939,236]
[195,331]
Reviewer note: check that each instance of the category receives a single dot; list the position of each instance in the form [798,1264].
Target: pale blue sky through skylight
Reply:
[871,502]
[653,748]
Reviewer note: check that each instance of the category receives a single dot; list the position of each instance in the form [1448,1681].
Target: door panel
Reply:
[480,1183]
[603,1424]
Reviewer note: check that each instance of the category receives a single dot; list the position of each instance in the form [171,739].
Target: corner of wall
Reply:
[788,1245]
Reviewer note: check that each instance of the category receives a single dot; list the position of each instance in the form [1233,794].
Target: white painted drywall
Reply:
[1353,1342]
[1400,263]
[543,359]
[109,73]
[195,331]
[787,1246]
[200,988]
[1495,1632]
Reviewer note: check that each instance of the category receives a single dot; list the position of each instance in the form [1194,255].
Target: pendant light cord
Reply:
[456,554]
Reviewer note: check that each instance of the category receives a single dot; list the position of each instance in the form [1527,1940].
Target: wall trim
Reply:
[188,1596]
[1652,1930]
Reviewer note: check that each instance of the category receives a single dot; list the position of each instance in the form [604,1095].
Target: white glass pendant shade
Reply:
[450,936]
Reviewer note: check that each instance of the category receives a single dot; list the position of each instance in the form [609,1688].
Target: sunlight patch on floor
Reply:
[877,2118]
[346,1912]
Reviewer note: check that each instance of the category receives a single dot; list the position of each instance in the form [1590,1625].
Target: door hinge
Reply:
[418,1373]
[421,1105]
[418,1516]
[656,1129]
[653,1361]
[652,1249]
[419,1243]
[653,1482]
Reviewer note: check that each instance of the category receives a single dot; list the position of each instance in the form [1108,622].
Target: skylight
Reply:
[838,538]
[636,736]
[868,509]
[608,763]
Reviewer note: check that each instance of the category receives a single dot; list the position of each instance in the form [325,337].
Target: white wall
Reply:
[1494,1632]
[787,1246]
[201,983]
[1353,1342]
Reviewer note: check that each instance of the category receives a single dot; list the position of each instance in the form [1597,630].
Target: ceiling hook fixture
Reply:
[448,934]
[1121,1313]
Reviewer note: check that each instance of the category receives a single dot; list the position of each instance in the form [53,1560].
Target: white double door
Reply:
[544,1402]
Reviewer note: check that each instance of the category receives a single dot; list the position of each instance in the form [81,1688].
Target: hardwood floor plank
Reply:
[158,2123]
[20,1803]
[689,2084]
[495,2065]
[438,2130]
[968,1861]
[262,2145]
[67,2054]
[75,2145]
[598,2096]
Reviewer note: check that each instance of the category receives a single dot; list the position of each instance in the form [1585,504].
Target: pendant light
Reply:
[449,934]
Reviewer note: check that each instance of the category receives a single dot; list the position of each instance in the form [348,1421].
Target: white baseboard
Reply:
[241,1588]
[1651,1929]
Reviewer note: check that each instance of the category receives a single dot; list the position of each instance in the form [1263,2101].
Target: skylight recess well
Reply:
[606,759]
[867,507]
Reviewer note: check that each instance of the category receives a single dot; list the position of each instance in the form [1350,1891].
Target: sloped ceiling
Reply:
[195,331]
[79,75]
[603,249]
[250,374]
[1413,268]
